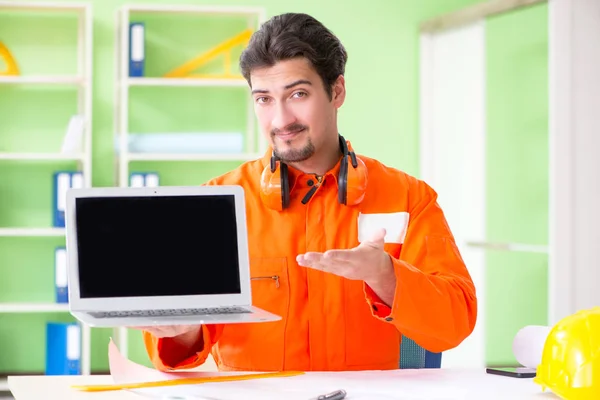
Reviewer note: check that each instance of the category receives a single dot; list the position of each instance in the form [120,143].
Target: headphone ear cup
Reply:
[270,188]
[356,183]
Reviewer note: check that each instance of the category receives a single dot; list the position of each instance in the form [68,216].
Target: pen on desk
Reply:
[337,395]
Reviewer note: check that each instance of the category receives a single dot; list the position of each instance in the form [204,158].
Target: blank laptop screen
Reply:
[157,246]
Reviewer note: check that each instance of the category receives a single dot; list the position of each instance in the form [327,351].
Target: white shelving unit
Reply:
[124,82]
[82,81]
[255,16]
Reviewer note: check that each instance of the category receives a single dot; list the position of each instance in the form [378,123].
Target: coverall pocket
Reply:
[260,346]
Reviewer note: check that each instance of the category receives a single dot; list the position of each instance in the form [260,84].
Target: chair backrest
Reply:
[414,356]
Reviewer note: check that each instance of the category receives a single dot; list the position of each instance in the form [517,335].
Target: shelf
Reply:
[183,9]
[41,80]
[38,6]
[191,157]
[33,307]
[40,156]
[194,82]
[32,231]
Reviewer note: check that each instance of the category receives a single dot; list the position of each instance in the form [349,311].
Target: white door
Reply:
[452,154]
[508,264]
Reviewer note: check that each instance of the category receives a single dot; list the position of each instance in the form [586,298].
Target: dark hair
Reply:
[293,35]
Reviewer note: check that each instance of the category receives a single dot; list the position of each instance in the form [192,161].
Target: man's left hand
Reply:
[367,262]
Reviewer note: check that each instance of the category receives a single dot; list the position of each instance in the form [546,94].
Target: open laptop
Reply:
[159,256]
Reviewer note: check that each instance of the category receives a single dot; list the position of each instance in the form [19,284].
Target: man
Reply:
[349,252]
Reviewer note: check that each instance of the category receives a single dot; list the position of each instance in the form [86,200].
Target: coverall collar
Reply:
[297,176]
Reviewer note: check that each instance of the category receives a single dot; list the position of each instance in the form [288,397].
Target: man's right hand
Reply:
[186,335]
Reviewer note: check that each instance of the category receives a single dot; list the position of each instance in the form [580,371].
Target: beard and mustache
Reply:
[292,155]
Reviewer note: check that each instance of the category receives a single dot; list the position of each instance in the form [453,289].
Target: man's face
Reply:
[293,108]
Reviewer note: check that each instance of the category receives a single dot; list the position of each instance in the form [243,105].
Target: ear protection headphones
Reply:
[352,182]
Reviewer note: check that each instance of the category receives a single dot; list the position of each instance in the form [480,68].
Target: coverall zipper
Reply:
[273,277]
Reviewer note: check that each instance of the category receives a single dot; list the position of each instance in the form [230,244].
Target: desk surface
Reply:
[59,387]
[477,383]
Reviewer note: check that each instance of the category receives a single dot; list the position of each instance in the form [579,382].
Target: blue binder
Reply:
[144,179]
[63,348]
[63,180]
[136,48]
[60,275]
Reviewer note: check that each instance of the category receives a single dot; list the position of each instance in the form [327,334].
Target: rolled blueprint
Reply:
[528,345]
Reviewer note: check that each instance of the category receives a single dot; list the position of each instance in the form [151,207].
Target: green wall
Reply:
[380,117]
[517,175]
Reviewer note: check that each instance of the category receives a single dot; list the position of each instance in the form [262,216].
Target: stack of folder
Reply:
[144,179]
[63,181]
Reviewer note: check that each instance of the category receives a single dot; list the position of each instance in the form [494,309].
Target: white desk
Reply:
[477,383]
[59,388]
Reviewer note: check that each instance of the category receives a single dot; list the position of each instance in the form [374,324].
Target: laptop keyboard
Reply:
[170,313]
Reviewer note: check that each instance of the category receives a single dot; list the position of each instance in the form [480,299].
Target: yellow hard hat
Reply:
[570,365]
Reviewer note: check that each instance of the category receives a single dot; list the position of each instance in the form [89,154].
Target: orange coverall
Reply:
[330,322]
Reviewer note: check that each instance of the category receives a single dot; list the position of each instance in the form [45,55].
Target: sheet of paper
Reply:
[124,370]
[359,385]
[431,384]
